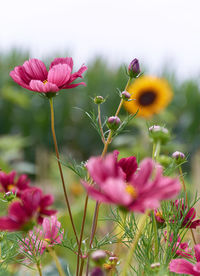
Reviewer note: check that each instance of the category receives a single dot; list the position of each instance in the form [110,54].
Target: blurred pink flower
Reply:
[8,182]
[39,239]
[139,193]
[34,76]
[181,266]
[33,205]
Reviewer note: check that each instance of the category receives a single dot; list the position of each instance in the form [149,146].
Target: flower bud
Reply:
[164,160]
[113,122]
[99,256]
[9,196]
[97,271]
[99,100]
[178,156]
[125,95]
[158,133]
[134,68]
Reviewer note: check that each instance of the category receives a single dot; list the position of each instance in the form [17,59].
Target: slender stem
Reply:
[193,237]
[183,183]
[157,150]
[60,168]
[39,269]
[155,230]
[135,242]
[81,235]
[58,265]
[81,268]
[167,244]
[153,150]
[100,124]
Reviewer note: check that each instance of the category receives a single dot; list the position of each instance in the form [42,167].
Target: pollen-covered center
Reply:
[45,81]
[131,191]
[147,98]
[10,187]
[159,214]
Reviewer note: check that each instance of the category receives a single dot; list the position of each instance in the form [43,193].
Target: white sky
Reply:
[155,31]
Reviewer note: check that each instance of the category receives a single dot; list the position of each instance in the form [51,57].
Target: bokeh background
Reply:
[106,36]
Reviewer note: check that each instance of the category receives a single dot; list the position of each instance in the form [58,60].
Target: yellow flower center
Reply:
[10,187]
[131,191]
[159,214]
[47,240]
[45,81]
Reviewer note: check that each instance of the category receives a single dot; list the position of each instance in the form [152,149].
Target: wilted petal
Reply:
[59,74]
[36,69]
[41,87]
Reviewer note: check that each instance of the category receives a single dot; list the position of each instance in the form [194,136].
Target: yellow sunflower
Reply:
[149,96]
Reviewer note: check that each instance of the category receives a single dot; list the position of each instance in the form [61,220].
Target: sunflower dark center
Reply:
[147,98]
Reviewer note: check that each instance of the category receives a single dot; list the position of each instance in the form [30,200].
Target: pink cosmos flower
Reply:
[39,239]
[181,248]
[139,193]
[8,182]
[33,205]
[181,266]
[34,76]
[188,221]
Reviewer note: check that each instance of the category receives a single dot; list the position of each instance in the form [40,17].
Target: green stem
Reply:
[155,230]
[100,124]
[157,151]
[60,168]
[135,242]
[58,265]
[183,183]
[81,268]
[39,269]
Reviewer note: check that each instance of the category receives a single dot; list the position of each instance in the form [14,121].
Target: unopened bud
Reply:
[98,256]
[134,68]
[178,156]
[155,265]
[113,122]
[158,133]
[9,196]
[164,160]
[125,95]
[99,100]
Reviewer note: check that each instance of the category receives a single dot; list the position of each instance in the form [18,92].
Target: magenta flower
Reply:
[33,206]
[188,220]
[34,76]
[181,266]
[8,183]
[180,248]
[31,244]
[117,183]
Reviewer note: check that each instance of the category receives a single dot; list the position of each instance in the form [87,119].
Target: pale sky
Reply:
[155,31]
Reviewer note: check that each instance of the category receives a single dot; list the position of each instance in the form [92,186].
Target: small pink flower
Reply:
[34,76]
[188,220]
[118,183]
[39,239]
[33,205]
[8,182]
[180,248]
[181,266]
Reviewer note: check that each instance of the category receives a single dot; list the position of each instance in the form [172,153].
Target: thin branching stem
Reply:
[81,235]
[39,268]
[100,124]
[60,167]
